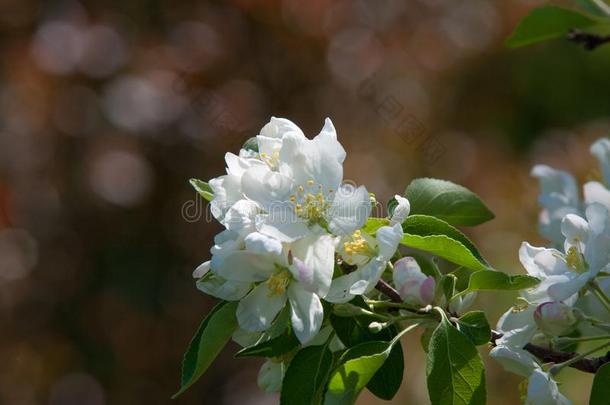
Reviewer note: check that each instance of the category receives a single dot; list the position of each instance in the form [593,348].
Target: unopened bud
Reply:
[376,327]
[414,287]
[556,318]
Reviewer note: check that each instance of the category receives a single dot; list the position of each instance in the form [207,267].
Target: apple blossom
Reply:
[414,287]
[556,318]
[370,256]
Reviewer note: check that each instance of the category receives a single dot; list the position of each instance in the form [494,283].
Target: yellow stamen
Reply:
[278,282]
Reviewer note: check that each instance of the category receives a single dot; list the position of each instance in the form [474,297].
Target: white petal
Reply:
[517,338]
[227,191]
[542,390]
[516,319]
[349,210]
[201,270]
[237,165]
[340,288]
[304,160]
[595,192]
[388,238]
[513,360]
[327,140]
[567,286]
[314,261]
[227,290]
[278,127]
[257,310]
[282,223]
[558,188]
[262,244]
[575,229]
[551,262]
[527,254]
[244,266]
[359,282]
[306,312]
[241,216]
[266,187]
[601,150]
[401,211]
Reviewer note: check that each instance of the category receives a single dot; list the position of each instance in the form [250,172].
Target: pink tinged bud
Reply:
[555,318]
[414,287]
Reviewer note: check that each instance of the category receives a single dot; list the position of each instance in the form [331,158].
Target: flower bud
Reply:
[556,318]
[414,287]
[376,327]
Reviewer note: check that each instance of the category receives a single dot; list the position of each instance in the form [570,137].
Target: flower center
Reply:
[357,245]
[310,202]
[575,260]
[273,160]
[523,386]
[278,282]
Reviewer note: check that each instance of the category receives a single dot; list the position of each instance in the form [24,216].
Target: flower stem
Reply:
[557,368]
[599,293]
[563,340]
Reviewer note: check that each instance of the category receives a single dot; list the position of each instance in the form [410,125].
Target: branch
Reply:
[389,291]
[588,40]
[588,365]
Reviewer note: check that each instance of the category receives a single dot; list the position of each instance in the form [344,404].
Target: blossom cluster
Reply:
[290,220]
[570,303]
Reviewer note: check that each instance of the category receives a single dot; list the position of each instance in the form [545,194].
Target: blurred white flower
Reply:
[555,318]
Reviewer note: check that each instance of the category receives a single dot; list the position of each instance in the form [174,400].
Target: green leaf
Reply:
[447,201]
[275,347]
[438,237]
[354,331]
[475,327]
[279,339]
[548,22]
[373,224]
[202,188]
[306,376]
[496,280]
[600,392]
[212,335]
[455,371]
[358,366]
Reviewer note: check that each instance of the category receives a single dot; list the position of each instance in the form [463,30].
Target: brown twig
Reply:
[588,365]
[388,290]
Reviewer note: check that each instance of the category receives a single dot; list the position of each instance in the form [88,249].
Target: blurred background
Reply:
[107,108]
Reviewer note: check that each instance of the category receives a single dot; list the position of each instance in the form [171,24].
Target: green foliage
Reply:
[354,331]
[496,280]
[279,339]
[549,22]
[202,188]
[475,327]
[600,392]
[306,376]
[436,236]
[447,201]
[357,366]
[212,335]
[373,224]
[455,371]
